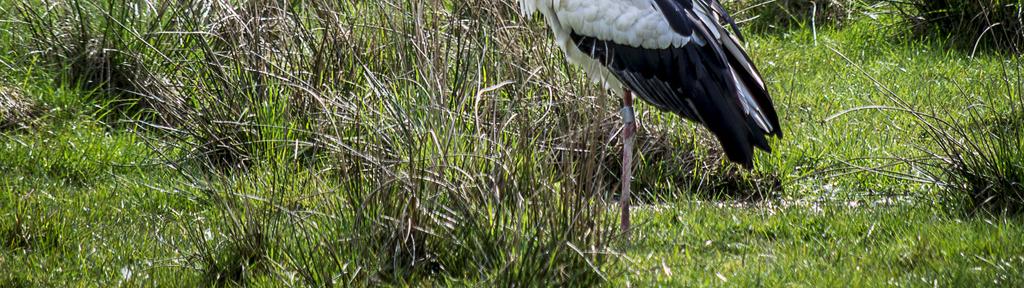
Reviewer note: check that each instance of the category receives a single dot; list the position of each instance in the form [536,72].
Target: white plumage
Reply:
[632,22]
[636,23]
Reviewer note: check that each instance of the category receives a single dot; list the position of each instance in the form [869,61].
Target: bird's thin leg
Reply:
[628,138]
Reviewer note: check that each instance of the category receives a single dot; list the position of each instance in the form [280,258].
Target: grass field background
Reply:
[355,143]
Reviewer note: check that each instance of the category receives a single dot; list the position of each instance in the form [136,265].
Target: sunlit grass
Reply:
[378,144]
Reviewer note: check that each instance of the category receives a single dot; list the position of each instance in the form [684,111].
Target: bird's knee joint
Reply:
[627,115]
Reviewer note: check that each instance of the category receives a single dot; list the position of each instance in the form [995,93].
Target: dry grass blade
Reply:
[16,110]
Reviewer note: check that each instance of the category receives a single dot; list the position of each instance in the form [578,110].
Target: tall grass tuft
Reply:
[981,159]
[976,154]
[99,45]
[766,15]
[973,24]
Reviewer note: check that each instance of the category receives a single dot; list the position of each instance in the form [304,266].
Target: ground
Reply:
[438,178]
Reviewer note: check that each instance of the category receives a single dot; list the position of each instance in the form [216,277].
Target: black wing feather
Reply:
[694,81]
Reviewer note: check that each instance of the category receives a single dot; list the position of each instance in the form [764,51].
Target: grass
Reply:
[338,144]
[971,25]
[767,15]
[830,244]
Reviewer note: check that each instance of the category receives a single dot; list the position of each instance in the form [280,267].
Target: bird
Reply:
[676,55]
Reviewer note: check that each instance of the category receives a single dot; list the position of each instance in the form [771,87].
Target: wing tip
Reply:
[743,158]
[741,150]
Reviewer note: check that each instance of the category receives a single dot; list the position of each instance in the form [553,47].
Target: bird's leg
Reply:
[628,138]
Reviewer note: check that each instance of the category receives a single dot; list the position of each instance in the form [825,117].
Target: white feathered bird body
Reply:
[676,55]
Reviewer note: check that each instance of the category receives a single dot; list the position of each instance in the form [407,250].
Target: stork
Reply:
[674,54]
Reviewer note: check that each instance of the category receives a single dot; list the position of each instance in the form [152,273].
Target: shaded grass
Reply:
[989,25]
[95,45]
[782,15]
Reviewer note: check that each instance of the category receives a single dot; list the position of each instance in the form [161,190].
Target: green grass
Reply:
[818,244]
[421,154]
